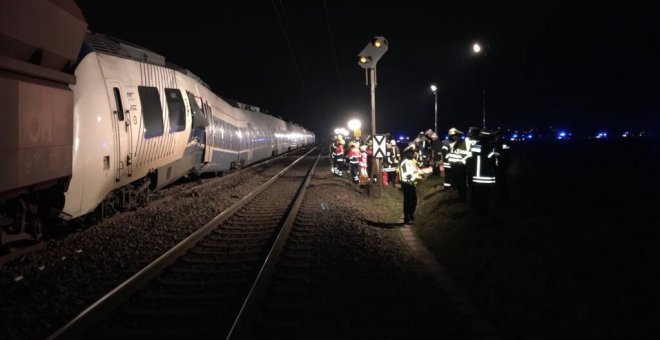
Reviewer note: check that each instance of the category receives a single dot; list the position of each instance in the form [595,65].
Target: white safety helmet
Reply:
[434,135]
[455,131]
[429,132]
[393,142]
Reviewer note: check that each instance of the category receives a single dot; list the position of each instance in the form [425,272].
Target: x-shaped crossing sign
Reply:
[379,146]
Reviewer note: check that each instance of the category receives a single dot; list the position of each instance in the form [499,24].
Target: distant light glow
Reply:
[401,137]
[364,60]
[625,134]
[434,88]
[378,43]
[476,48]
[341,132]
[529,136]
[562,134]
[601,134]
[354,124]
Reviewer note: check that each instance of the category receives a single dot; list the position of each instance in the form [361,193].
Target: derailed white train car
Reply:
[141,123]
[130,120]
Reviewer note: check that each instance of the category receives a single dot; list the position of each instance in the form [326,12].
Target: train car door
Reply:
[121,127]
[210,136]
[250,136]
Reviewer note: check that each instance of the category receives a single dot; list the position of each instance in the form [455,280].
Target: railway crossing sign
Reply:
[379,146]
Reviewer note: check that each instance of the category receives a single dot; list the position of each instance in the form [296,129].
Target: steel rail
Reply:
[95,312]
[256,294]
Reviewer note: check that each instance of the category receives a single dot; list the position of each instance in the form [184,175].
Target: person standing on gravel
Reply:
[364,175]
[409,173]
[354,160]
[392,162]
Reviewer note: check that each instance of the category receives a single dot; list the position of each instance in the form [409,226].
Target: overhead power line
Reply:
[332,40]
[288,44]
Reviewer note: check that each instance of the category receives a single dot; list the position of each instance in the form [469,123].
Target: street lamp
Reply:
[435,94]
[355,125]
[367,59]
[477,49]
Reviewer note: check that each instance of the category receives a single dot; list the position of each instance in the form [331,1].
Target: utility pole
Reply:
[367,59]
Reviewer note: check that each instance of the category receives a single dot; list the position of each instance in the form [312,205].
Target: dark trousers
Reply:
[480,197]
[501,187]
[369,166]
[448,172]
[459,180]
[391,177]
[355,170]
[409,201]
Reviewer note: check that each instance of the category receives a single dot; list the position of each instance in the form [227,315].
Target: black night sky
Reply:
[572,65]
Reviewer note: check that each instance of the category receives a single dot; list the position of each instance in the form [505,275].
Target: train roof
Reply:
[102,43]
[106,44]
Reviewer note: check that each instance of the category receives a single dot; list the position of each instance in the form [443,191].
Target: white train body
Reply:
[139,125]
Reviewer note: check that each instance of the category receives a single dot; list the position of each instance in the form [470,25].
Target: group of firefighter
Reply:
[474,165]
[478,164]
[354,159]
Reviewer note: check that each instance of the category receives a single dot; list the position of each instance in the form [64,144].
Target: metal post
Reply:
[483,101]
[373,101]
[375,162]
[485,75]
[435,129]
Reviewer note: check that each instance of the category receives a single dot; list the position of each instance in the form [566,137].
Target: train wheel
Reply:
[143,197]
[36,229]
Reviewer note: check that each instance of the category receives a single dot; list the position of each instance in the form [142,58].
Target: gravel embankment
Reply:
[44,289]
[364,282]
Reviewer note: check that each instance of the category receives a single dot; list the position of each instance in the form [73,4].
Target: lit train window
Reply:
[176,110]
[152,112]
[120,107]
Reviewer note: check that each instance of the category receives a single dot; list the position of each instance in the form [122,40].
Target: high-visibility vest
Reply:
[408,171]
[485,158]
[459,153]
[354,155]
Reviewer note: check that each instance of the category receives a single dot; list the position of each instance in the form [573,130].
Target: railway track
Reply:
[206,285]
[167,194]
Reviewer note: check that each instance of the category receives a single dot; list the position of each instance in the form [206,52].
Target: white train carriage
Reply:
[240,134]
[131,119]
[141,123]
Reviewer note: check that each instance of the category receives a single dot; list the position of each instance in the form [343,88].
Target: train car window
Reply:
[118,105]
[198,119]
[152,112]
[176,110]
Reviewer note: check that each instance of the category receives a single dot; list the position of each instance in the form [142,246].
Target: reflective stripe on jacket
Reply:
[409,171]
